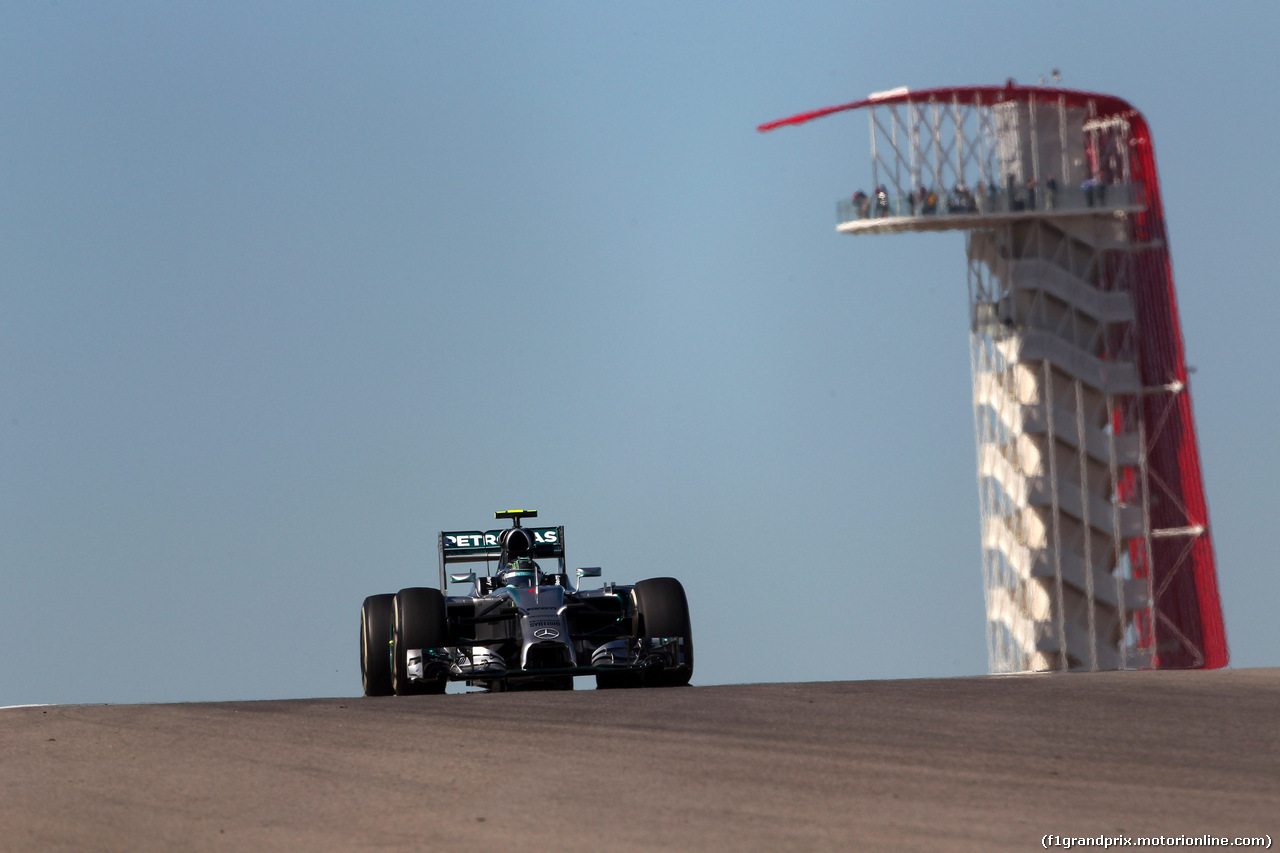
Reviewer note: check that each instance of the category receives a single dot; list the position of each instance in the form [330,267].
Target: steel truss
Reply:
[1095,538]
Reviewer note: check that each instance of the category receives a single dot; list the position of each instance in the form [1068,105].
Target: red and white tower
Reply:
[1094,527]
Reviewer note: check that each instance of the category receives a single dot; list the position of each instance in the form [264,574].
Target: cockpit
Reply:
[522,573]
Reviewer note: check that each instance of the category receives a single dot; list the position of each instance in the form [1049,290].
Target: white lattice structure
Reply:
[1095,546]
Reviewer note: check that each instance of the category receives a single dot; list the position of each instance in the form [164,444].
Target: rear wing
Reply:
[479,546]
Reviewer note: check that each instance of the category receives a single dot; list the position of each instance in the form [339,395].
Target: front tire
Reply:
[664,612]
[376,615]
[419,622]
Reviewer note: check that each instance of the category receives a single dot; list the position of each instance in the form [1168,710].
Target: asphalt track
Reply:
[949,764]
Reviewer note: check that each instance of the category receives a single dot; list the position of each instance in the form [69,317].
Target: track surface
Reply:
[950,764]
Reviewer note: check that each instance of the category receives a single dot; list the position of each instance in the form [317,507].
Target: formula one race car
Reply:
[521,627]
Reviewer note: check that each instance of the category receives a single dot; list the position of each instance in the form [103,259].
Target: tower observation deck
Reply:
[1096,548]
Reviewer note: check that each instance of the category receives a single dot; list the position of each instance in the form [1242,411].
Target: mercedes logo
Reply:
[546,633]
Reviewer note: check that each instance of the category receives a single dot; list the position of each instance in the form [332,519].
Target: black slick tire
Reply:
[663,611]
[375,644]
[419,621]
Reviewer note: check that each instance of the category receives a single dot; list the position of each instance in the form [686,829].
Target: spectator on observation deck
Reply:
[962,199]
[861,204]
[1015,203]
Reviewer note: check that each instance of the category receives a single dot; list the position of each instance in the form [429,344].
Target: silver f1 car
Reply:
[522,627]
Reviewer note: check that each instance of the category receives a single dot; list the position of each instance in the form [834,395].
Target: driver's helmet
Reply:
[521,572]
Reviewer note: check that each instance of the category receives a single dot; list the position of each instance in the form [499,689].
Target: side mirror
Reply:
[469,577]
[590,572]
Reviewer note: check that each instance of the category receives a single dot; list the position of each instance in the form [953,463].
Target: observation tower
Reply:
[1096,550]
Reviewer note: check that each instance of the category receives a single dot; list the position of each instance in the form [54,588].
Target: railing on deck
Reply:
[963,202]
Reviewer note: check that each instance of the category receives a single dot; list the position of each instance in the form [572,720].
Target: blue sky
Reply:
[286,289]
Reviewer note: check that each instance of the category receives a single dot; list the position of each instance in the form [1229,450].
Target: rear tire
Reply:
[664,612]
[419,622]
[376,615]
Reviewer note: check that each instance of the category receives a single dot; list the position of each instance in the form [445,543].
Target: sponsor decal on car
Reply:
[467,539]
[546,633]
